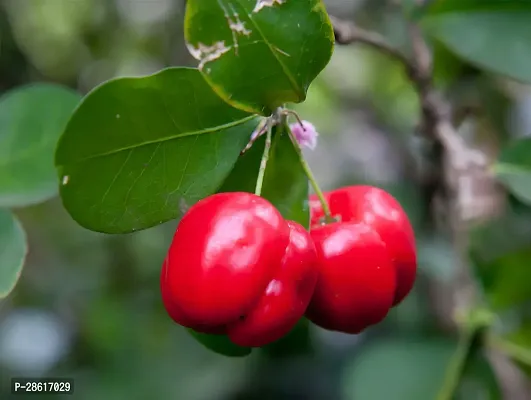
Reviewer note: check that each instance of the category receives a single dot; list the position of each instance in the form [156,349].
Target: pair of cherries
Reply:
[236,267]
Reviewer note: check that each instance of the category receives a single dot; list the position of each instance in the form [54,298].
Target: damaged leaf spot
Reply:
[206,54]
[236,25]
[183,206]
[266,3]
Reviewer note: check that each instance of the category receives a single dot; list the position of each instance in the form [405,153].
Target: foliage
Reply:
[425,358]
[513,168]
[504,25]
[13,252]
[279,46]
[165,141]
[136,152]
[31,120]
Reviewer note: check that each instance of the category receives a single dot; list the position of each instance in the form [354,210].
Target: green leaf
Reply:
[13,249]
[513,168]
[297,342]
[220,344]
[490,34]
[447,67]
[31,120]
[285,183]
[500,251]
[449,6]
[259,54]
[414,370]
[139,151]
[506,279]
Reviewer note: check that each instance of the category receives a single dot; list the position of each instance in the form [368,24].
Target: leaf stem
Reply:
[311,177]
[514,351]
[456,367]
[265,158]
[471,335]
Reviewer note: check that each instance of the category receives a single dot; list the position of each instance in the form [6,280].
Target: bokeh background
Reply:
[88,305]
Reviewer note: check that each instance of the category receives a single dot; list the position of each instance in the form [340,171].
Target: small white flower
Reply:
[305,133]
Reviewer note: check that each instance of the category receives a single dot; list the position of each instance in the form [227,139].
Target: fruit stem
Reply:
[311,177]
[265,158]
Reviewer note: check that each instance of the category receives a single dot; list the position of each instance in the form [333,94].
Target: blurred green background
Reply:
[88,305]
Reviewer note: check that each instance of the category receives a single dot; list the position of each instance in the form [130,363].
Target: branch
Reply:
[348,33]
[436,121]
[457,166]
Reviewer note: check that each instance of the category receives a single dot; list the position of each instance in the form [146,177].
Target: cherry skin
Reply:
[286,297]
[236,267]
[378,209]
[357,279]
[224,253]
[175,313]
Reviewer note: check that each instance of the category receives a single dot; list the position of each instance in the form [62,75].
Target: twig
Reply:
[348,33]
[436,121]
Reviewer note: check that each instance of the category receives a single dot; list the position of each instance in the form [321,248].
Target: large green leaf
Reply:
[13,249]
[139,151]
[507,279]
[259,54]
[500,251]
[285,183]
[414,370]
[514,168]
[31,120]
[491,34]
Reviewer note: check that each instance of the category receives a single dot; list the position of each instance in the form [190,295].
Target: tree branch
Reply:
[348,33]
[436,119]
[457,166]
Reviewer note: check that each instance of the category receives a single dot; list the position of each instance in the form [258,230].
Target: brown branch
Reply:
[436,121]
[348,33]
[459,167]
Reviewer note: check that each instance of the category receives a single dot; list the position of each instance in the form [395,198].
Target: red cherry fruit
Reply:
[378,209]
[286,297]
[175,313]
[236,266]
[357,279]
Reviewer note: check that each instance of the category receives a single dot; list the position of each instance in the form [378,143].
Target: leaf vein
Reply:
[116,176]
[272,48]
[167,139]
